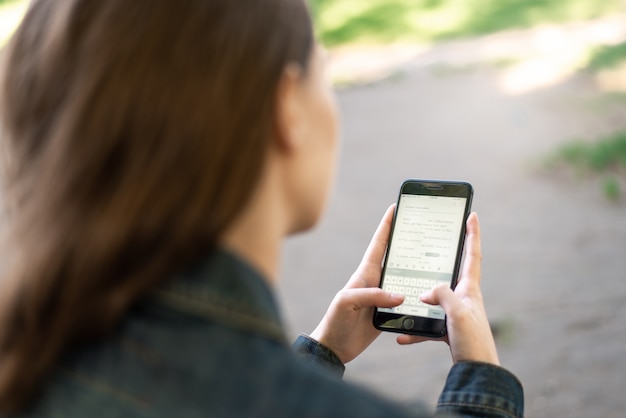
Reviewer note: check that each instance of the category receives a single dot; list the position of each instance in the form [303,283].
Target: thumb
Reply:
[444,296]
[367,298]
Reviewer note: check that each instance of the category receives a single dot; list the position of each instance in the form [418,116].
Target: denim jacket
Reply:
[211,344]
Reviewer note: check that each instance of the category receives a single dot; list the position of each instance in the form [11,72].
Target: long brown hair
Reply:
[134,131]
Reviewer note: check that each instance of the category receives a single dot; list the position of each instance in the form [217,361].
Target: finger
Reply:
[444,296]
[378,245]
[406,339]
[473,252]
[367,298]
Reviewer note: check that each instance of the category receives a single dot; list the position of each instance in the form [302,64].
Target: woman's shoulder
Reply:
[177,366]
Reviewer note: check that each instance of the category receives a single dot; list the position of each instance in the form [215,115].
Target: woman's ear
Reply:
[289,108]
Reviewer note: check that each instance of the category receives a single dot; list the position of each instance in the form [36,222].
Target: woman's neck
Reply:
[259,230]
[260,250]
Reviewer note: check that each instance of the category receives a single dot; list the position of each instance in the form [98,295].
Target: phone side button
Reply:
[408,323]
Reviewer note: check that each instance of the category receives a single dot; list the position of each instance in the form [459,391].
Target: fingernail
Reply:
[396,296]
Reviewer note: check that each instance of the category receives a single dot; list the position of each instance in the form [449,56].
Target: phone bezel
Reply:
[417,325]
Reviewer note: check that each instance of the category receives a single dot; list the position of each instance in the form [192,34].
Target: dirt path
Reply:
[554,248]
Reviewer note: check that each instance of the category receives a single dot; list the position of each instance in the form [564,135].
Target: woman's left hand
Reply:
[347,327]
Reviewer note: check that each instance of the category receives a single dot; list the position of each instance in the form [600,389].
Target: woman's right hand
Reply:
[469,335]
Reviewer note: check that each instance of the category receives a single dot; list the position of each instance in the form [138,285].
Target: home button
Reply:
[408,323]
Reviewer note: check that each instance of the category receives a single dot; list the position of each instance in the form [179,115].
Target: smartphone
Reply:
[424,250]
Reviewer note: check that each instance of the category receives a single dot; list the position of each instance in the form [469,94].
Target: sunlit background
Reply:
[11,12]
[526,99]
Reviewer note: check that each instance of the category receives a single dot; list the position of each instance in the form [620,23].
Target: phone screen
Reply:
[423,250]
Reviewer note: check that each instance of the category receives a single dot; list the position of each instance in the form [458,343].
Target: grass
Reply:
[342,22]
[607,57]
[380,21]
[605,156]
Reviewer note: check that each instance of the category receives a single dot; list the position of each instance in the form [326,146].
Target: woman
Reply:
[157,154]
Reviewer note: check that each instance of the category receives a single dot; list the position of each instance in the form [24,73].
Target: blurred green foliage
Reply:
[611,188]
[609,153]
[606,156]
[607,57]
[380,21]
[5,2]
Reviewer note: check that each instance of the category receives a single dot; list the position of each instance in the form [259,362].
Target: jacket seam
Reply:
[223,314]
[104,388]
